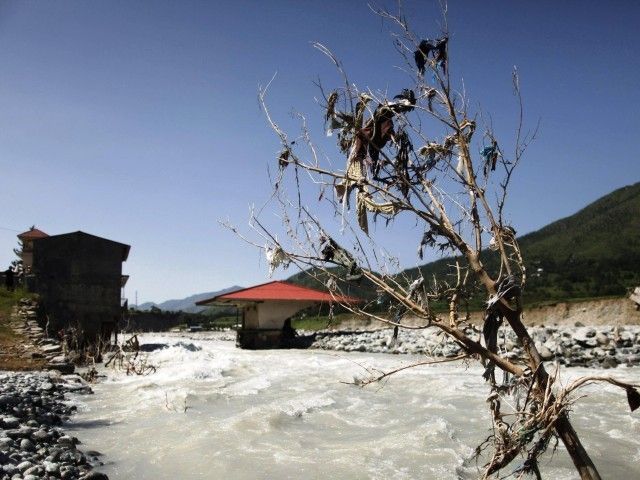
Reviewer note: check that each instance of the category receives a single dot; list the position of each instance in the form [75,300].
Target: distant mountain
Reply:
[186,304]
[595,252]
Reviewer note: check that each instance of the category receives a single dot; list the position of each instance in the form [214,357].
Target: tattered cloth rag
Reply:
[490,155]
[437,49]
[332,252]
[365,203]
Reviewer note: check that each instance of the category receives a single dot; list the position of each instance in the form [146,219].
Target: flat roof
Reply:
[125,248]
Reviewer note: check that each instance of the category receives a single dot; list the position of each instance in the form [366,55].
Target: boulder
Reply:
[545,353]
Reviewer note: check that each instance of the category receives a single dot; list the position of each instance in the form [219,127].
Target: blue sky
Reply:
[139,121]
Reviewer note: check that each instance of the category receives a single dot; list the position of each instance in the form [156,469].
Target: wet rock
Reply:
[62,367]
[545,353]
[95,476]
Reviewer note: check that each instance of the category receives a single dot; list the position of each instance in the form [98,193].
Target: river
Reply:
[213,411]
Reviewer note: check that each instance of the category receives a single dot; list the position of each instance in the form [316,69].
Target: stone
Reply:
[602,339]
[9,422]
[41,436]
[66,440]
[36,470]
[25,466]
[6,442]
[609,362]
[51,467]
[51,348]
[27,445]
[62,367]
[9,468]
[545,353]
[584,337]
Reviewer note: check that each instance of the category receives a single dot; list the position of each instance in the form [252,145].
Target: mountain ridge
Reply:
[187,304]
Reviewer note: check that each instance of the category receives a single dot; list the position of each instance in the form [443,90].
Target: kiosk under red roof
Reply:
[267,310]
[277,290]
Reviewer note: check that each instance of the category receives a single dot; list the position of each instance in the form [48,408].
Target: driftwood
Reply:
[126,357]
[459,198]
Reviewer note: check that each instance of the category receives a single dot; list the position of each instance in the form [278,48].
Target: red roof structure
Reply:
[32,234]
[277,291]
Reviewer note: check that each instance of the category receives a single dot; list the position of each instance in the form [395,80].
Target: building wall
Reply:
[78,278]
[273,314]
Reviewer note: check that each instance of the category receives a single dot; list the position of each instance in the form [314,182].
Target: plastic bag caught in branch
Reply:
[276,257]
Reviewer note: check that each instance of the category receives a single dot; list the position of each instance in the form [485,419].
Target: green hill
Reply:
[593,253]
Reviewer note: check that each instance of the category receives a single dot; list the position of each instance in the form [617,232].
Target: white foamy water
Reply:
[288,414]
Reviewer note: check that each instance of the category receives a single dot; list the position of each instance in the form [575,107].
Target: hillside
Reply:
[595,252]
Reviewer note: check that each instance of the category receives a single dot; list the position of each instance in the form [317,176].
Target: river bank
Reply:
[33,444]
[36,380]
[593,346]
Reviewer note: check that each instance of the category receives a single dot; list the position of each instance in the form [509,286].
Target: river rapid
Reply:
[213,411]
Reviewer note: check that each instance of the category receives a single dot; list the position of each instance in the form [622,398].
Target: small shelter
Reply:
[267,310]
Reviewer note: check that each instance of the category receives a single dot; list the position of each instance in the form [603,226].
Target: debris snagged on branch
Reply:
[283,159]
[276,257]
[490,155]
[436,49]
[434,152]
[332,252]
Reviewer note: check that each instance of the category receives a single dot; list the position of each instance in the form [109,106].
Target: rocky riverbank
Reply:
[32,443]
[597,346]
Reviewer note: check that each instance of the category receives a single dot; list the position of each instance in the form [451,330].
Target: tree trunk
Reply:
[578,454]
[563,427]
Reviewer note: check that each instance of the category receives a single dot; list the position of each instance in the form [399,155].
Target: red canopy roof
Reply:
[277,290]
[32,234]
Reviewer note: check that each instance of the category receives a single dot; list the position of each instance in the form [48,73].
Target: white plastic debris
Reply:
[276,257]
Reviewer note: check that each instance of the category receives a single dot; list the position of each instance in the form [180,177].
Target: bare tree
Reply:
[398,165]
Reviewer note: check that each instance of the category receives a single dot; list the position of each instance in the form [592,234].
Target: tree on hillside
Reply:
[424,155]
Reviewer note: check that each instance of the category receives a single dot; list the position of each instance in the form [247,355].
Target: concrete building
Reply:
[266,308]
[79,278]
